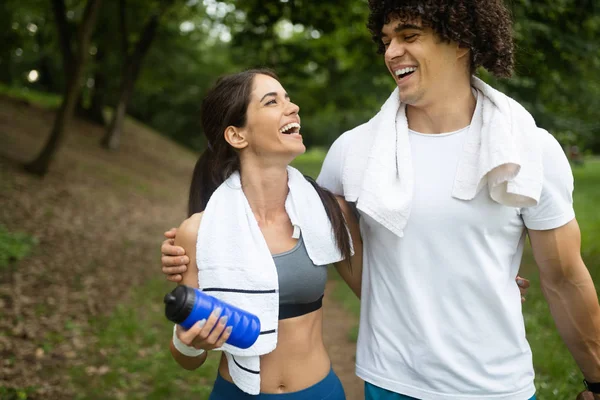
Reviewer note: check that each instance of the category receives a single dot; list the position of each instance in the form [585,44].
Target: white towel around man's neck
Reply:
[500,152]
[236,266]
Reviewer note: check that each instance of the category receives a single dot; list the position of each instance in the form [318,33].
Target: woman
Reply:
[253,133]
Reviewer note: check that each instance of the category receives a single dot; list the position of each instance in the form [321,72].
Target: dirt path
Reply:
[337,324]
[96,216]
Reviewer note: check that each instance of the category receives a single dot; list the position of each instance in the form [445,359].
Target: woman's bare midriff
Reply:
[300,359]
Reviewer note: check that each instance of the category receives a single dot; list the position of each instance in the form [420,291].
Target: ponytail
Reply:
[210,172]
[336,217]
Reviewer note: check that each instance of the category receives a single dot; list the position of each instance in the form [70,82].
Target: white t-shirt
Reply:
[440,310]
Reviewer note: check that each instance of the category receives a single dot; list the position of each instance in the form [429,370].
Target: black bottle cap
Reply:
[179,303]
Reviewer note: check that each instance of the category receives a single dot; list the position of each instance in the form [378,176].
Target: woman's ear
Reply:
[236,137]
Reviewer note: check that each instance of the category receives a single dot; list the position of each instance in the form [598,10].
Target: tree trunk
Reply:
[46,79]
[6,37]
[96,111]
[40,165]
[112,138]
[5,66]
[124,29]
[64,36]
[80,110]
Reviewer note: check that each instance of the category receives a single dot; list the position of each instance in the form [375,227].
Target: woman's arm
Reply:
[352,274]
[187,235]
[201,335]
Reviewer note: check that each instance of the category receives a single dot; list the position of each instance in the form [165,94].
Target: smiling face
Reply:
[272,125]
[424,67]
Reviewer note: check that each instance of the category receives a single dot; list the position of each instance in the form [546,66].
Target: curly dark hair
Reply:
[483,26]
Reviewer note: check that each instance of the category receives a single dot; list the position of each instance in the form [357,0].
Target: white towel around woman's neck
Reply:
[236,266]
[500,152]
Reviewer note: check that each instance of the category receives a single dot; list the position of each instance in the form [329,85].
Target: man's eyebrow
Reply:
[400,27]
[287,96]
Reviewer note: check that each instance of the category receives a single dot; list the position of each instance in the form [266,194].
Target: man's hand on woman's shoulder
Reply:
[174,261]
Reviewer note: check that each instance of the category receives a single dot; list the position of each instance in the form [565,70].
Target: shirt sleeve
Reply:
[330,176]
[555,207]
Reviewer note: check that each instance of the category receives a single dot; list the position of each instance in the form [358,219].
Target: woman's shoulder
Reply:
[188,230]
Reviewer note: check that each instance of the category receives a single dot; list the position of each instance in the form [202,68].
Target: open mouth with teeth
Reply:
[404,72]
[290,129]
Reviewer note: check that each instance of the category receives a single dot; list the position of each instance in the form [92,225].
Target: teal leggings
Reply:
[373,392]
[330,388]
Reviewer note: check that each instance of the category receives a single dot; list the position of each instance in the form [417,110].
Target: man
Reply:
[447,179]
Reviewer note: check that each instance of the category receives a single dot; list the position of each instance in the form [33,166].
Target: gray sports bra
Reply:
[301,283]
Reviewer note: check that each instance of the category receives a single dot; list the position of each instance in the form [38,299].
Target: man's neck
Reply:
[445,114]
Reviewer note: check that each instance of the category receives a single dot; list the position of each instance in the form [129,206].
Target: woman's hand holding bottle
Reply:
[206,335]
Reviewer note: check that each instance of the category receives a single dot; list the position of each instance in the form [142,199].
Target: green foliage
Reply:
[14,246]
[43,99]
[324,56]
[557,59]
[8,393]
[310,162]
[321,50]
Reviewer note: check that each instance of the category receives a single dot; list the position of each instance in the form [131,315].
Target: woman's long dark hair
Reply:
[336,217]
[226,104]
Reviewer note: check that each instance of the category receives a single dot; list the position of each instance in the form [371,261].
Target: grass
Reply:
[7,393]
[557,375]
[131,359]
[43,99]
[14,246]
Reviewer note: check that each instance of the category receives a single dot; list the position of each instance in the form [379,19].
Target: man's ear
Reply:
[236,137]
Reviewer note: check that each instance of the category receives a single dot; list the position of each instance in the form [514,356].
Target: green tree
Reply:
[73,64]
[324,56]
[132,63]
[557,59]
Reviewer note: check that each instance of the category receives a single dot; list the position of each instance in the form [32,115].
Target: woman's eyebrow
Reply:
[287,96]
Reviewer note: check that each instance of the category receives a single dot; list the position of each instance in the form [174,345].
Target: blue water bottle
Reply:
[185,306]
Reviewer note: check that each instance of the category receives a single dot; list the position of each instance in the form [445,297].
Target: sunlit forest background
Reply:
[156,59]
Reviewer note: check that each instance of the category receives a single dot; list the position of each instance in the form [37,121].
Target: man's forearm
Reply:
[574,306]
